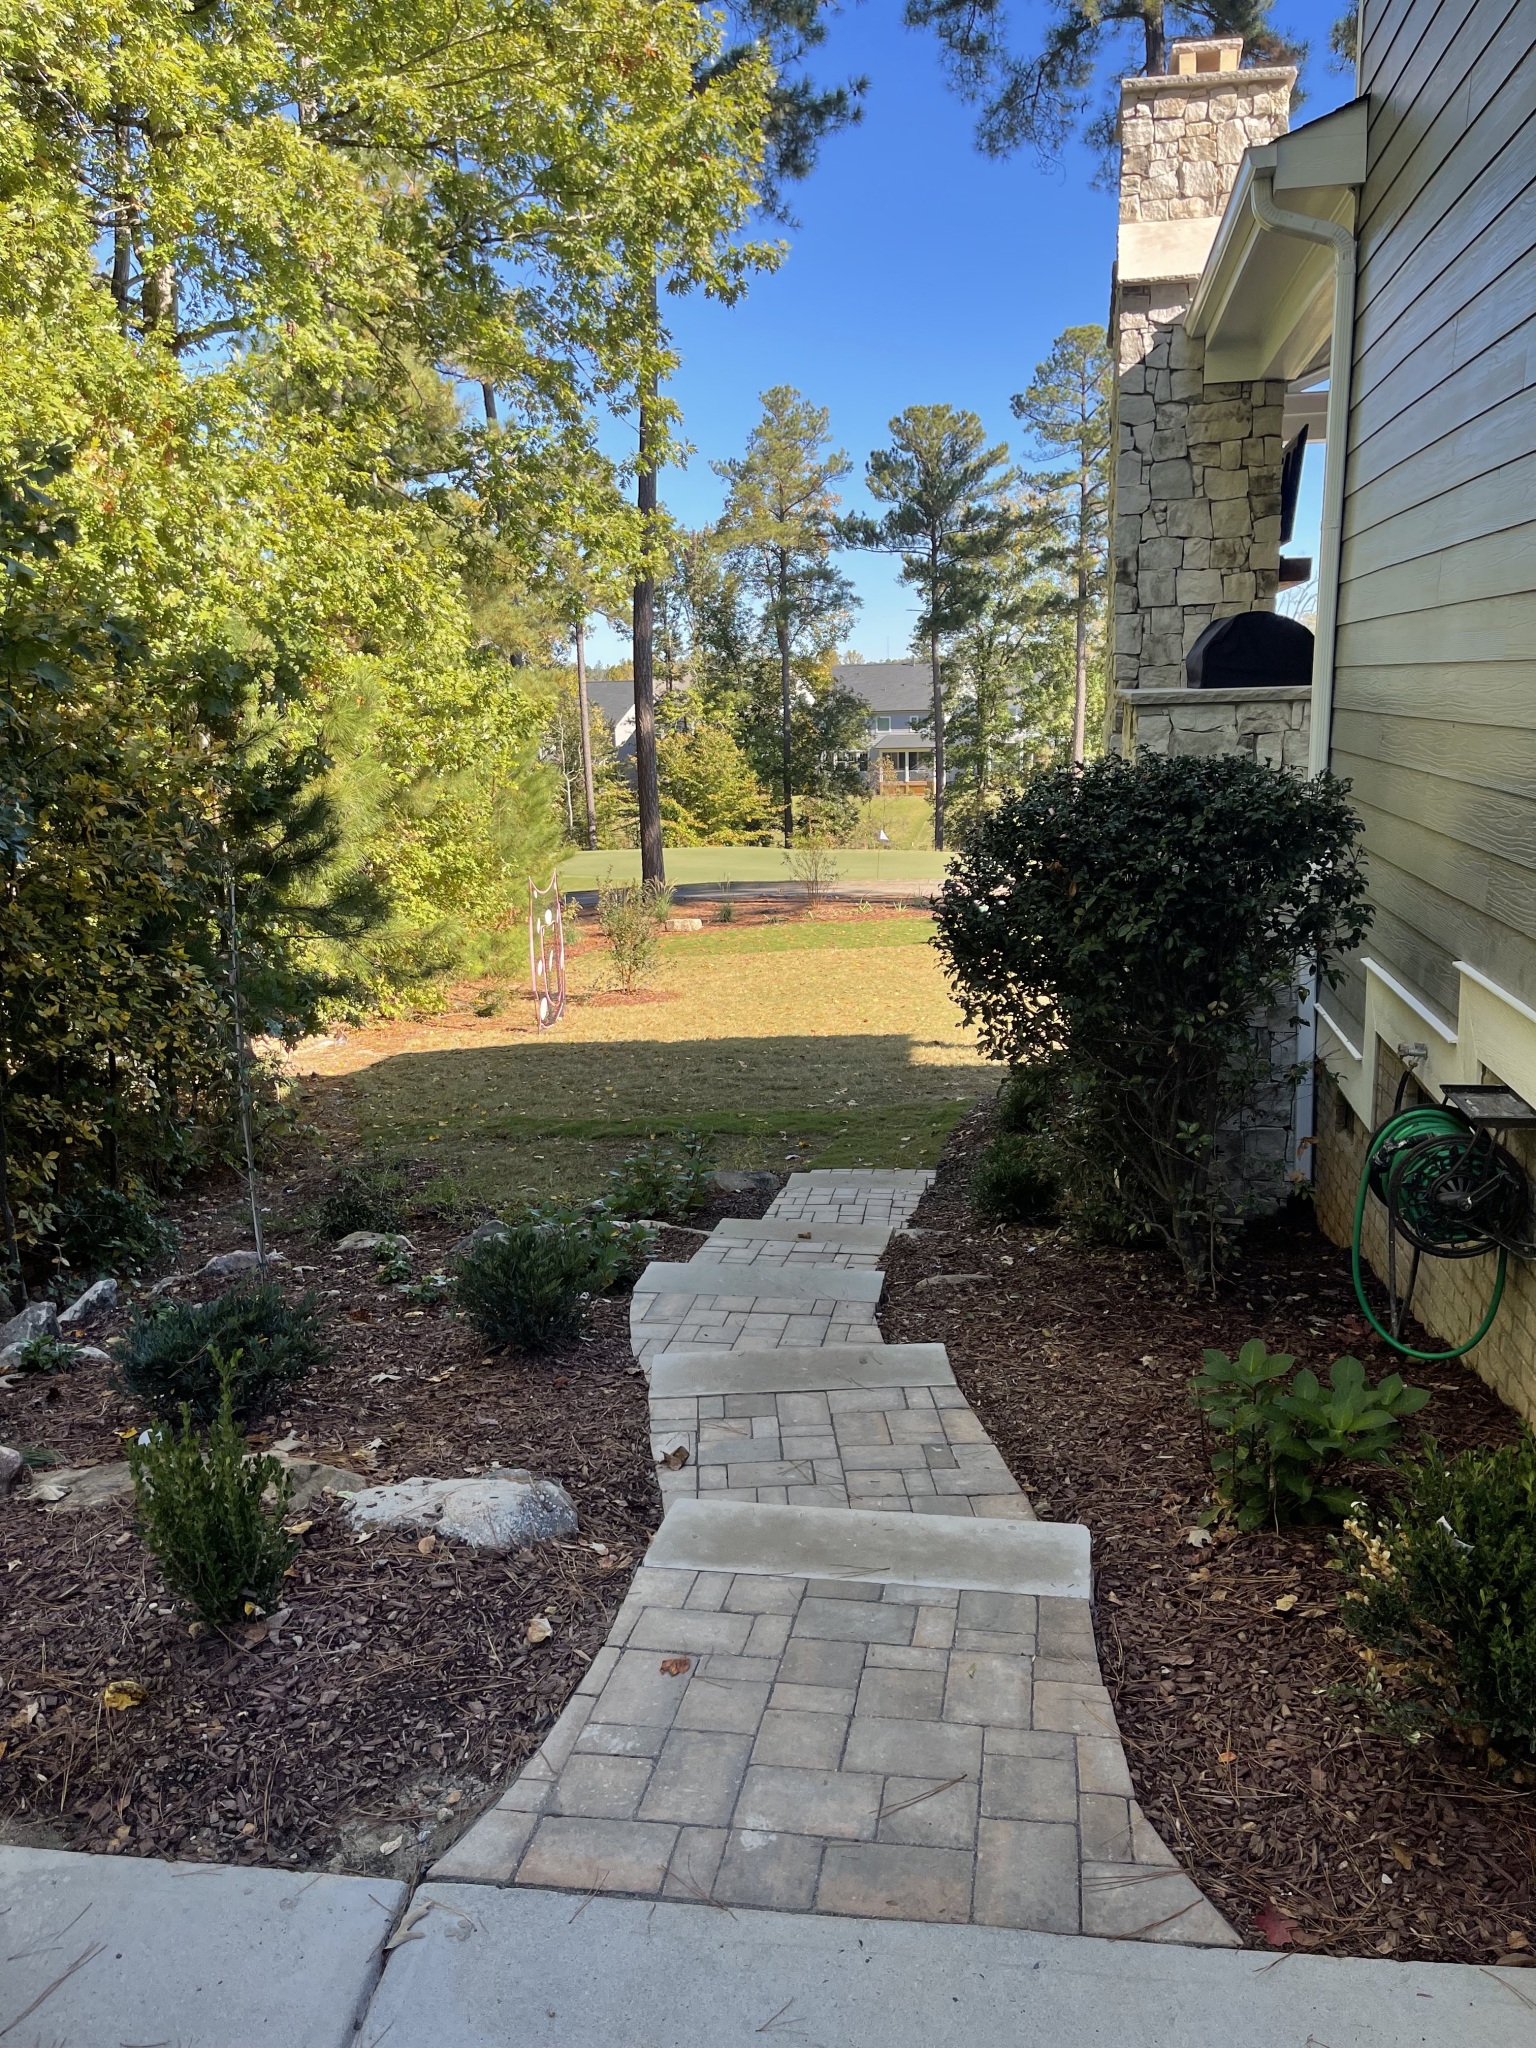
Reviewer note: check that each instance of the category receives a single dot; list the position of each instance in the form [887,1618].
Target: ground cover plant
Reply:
[1257,1749]
[534,1283]
[663,1180]
[1124,926]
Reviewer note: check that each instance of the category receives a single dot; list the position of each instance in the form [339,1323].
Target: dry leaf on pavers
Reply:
[675,1459]
[124,1692]
[674,1667]
[539,1630]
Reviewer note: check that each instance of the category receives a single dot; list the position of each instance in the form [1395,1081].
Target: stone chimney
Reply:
[1195,495]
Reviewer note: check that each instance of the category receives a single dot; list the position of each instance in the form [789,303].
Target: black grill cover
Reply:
[1249,651]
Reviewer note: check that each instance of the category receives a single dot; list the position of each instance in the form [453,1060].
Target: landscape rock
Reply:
[685,924]
[483,1233]
[93,1354]
[508,1510]
[37,1319]
[67,1490]
[224,1264]
[373,1241]
[310,1480]
[99,1299]
[952,1279]
[732,1180]
[12,1465]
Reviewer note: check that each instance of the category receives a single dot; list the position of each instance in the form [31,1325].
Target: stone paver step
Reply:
[509,1966]
[727,1282]
[1049,1559]
[789,1230]
[692,1370]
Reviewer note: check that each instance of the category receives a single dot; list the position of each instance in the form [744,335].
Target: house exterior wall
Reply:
[1195,491]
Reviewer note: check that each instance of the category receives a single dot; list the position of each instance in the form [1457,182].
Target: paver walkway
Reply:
[810,1701]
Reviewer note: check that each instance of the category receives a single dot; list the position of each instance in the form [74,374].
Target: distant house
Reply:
[1386,251]
[612,700]
[900,699]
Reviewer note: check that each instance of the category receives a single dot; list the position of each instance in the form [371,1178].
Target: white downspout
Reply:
[1341,241]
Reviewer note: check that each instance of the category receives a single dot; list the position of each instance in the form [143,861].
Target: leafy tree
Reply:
[1066,409]
[709,793]
[1038,97]
[948,521]
[779,528]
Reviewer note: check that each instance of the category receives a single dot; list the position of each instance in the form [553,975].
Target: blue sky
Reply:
[920,273]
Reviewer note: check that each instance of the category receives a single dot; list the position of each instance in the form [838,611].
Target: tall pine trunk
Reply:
[786,725]
[938,706]
[585,709]
[647,783]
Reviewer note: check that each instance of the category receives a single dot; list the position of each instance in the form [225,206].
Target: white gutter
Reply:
[1341,241]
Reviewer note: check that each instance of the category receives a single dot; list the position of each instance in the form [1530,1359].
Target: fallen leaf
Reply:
[1515,1939]
[1277,1928]
[1286,1602]
[539,1630]
[675,1459]
[123,1692]
[389,1848]
[1403,1856]
[674,1667]
[297,1528]
[1226,1756]
[427,1545]
[1197,1539]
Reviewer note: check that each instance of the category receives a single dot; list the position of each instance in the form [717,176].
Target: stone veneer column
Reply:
[1195,493]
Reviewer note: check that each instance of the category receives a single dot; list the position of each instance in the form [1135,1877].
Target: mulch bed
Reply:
[365,1722]
[1308,1826]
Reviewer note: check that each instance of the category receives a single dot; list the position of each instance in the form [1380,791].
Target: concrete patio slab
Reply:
[786,1230]
[691,1370]
[719,1277]
[504,1966]
[101,1949]
[1047,1558]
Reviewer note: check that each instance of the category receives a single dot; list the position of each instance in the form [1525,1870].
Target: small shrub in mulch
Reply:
[361,1198]
[667,1179]
[535,1285]
[172,1357]
[200,1510]
[1016,1180]
[1444,1595]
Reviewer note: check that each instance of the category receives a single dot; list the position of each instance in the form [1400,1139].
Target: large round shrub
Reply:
[1127,924]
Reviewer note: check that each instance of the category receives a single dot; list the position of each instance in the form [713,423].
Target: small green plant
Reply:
[725,913]
[666,1179]
[428,1291]
[43,1354]
[1015,1180]
[815,866]
[1443,1595]
[171,1358]
[628,920]
[1280,1436]
[394,1265]
[1024,1102]
[361,1198]
[534,1286]
[202,1514]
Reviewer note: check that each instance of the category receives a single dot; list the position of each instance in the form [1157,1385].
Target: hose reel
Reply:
[1450,1191]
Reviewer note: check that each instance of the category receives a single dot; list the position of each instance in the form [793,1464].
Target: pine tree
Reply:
[779,530]
[949,523]
[1066,409]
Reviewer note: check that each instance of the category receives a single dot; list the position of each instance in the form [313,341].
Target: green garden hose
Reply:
[1411,1163]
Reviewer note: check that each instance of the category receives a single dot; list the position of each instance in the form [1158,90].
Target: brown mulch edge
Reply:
[364,1722]
[1236,1689]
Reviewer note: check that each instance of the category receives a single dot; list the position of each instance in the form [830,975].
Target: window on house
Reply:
[904,767]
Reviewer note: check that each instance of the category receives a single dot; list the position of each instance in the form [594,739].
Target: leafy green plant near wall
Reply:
[1278,1439]
[1123,926]
[1443,1597]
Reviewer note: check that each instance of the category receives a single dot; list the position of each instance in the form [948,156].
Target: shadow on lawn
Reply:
[548,1115]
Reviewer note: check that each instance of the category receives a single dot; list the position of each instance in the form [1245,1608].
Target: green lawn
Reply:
[808,1043]
[718,865]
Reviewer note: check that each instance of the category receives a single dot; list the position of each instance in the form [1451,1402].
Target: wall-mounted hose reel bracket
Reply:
[1450,1191]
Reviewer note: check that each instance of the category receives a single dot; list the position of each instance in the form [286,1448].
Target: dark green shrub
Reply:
[1015,1180]
[361,1198]
[200,1512]
[1444,1593]
[534,1286]
[110,1230]
[668,1178]
[1279,1441]
[1127,923]
[171,1357]
[1025,1100]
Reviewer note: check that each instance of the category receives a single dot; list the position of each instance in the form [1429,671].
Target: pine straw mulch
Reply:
[362,1724]
[1307,1825]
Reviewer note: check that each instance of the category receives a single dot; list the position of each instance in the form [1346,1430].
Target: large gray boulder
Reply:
[224,1264]
[12,1465]
[487,1232]
[507,1510]
[99,1299]
[37,1319]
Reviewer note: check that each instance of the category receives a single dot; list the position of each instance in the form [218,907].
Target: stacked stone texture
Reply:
[1196,490]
